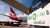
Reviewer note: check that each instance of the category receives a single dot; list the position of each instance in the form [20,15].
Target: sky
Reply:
[4,9]
[27,3]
